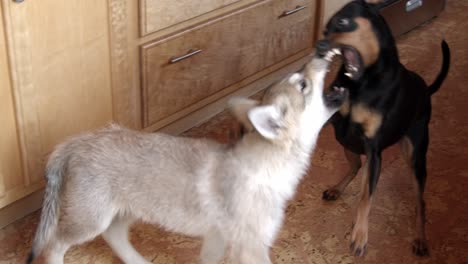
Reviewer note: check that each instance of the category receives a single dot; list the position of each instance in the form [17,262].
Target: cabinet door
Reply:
[60,68]
[11,180]
[274,32]
[154,18]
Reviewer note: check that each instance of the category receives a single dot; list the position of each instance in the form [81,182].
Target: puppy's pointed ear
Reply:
[266,120]
[240,107]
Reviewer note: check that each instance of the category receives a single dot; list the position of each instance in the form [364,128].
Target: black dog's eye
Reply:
[343,22]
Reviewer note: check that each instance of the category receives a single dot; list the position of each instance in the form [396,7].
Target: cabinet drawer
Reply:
[287,28]
[159,14]
[181,71]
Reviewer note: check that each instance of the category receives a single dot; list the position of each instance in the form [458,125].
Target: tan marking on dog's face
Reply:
[374,1]
[363,39]
[370,120]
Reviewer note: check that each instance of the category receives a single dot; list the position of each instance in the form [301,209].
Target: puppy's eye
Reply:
[343,22]
[303,84]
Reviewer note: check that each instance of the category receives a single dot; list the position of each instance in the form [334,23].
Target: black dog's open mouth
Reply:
[335,97]
[352,61]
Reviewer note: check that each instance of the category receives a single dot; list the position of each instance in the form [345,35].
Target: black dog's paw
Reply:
[420,248]
[358,245]
[331,195]
[357,249]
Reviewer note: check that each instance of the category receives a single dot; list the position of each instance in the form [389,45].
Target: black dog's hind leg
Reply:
[355,164]
[371,175]
[414,146]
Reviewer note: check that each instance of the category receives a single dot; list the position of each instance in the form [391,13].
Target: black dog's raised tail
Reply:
[434,87]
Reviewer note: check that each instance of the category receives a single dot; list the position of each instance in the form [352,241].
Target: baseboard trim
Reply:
[21,208]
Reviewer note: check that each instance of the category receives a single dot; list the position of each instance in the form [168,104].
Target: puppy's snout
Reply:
[322,47]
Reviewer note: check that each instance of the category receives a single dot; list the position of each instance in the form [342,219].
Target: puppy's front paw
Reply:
[331,195]
[358,245]
[420,248]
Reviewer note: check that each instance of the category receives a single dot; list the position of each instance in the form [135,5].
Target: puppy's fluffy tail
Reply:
[50,209]
[434,87]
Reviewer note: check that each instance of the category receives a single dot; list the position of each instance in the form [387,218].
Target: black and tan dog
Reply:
[387,104]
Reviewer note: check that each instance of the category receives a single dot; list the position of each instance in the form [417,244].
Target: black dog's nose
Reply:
[322,47]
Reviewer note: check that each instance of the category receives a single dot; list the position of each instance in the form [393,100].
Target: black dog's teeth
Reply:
[338,89]
[332,53]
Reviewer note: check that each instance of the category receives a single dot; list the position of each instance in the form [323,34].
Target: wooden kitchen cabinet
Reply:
[59,67]
[11,174]
[231,45]
[229,50]
[73,65]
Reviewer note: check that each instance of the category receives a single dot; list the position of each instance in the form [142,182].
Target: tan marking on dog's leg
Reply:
[420,243]
[407,151]
[359,235]
[354,161]
[370,120]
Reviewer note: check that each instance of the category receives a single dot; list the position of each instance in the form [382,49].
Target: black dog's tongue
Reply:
[350,57]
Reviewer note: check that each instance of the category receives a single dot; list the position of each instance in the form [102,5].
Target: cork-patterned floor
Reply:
[318,232]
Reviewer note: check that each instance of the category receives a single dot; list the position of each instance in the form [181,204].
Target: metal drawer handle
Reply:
[185,56]
[413,4]
[295,10]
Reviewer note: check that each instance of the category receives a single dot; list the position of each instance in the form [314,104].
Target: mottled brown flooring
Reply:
[318,232]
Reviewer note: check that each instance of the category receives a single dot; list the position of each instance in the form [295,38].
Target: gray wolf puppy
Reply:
[99,183]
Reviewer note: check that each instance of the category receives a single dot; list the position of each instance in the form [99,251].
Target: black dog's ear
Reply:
[376,5]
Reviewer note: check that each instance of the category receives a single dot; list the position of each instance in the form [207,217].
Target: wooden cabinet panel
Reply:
[11,176]
[61,73]
[270,35]
[169,87]
[153,17]
[232,49]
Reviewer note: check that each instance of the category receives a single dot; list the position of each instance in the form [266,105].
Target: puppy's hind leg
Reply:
[251,252]
[55,252]
[355,164]
[116,236]
[213,248]
[75,226]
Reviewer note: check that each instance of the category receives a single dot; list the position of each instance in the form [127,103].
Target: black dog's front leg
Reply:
[371,175]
